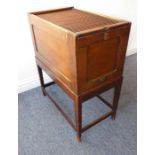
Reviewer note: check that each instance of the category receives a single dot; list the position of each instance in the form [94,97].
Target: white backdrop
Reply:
[28,78]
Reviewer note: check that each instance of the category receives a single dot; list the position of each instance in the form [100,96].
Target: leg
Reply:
[78,117]
[117,91]
[41,79]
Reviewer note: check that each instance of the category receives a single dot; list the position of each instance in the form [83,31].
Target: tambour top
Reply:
[76,20]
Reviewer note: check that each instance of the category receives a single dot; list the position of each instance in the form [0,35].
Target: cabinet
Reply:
[83,53]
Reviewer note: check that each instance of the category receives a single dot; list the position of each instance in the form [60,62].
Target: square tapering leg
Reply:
[78,117]
[41,78]
[117,91]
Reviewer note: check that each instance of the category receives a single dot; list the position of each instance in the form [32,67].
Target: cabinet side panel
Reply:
[53,50]
[52,47]
[101,59]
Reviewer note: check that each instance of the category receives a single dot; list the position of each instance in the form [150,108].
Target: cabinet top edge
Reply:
[50,10]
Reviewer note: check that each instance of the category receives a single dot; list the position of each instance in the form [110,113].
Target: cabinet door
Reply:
[100,57]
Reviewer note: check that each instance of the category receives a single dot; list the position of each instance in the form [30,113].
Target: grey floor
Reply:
[43,131]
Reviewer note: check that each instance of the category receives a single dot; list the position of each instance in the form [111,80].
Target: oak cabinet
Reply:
[82,52]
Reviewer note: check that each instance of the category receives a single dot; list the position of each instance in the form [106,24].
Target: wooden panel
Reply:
[101,58]
[55,46]
[52,50]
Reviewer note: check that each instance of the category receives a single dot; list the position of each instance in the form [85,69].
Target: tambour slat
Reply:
[76,20]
